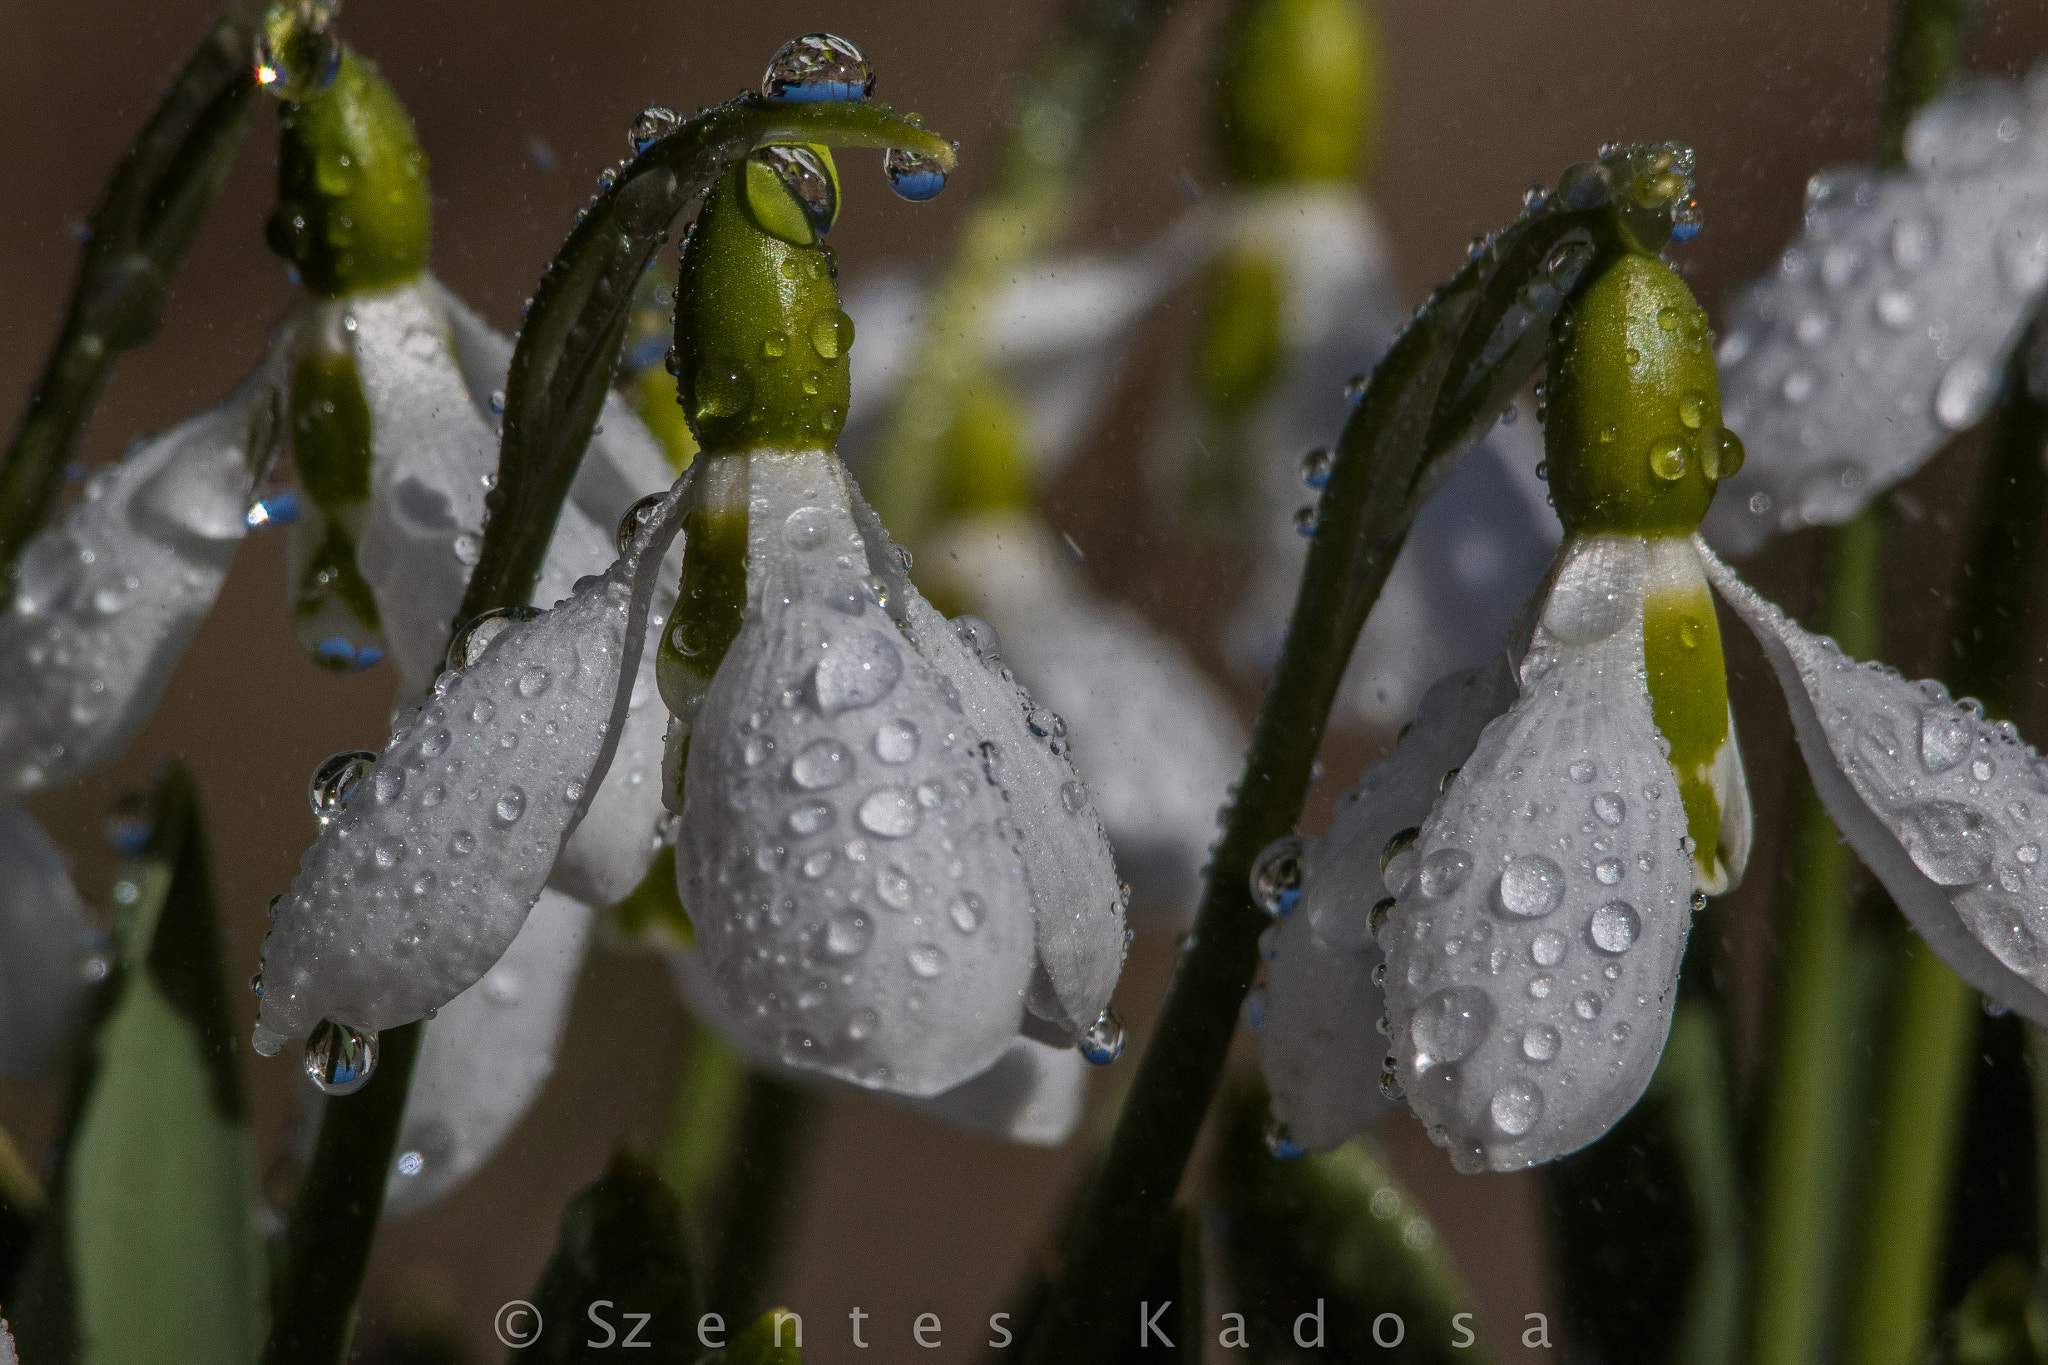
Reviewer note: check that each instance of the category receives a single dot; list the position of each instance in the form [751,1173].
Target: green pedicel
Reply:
[353,210]
[1297,89]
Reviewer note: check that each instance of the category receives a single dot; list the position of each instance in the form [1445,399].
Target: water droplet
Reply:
[296,53]
[1587,1007]
[1531,887]
[336,779]
[637,517]
[1912,243]
[476,635]
[1615,927]
[1692,409]
[913,177]
[1608,871]
[890,812]
[818,66]
[1355,387]
[926,960]
[721,389]
[858,672]
[1449,1025]
[1896,308]
[1280,1142]
[1965,393]
[1277,876]
[831,333]
[1667,458]
[1073,797]
[821,765]
[1102,1042]
[468,548]
[1443,872]
[896,741]
[339,1059]
[1515,1107]
[965,910]
[1317,464]
[510,806]
[806,528]
[846,934]
[1547,949]
[533,682]
[808,818]
[1582,770]
[651,125]
[1608,807]
[1947,840]
[1305,521]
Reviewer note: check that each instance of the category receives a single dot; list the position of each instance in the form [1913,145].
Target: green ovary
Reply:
[1689,700]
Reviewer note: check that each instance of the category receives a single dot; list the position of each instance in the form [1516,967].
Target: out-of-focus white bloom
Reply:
[48,965]
[1887,326]
[882,838]
[1160,745]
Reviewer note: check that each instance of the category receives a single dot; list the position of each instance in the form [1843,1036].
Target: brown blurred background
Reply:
[520,104]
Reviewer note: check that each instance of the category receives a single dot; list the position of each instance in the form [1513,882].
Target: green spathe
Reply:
[353,211]
[1633,436]
[761,340]
[1297,87]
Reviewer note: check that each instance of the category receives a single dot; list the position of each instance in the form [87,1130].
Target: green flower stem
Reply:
[760,1188]
[1807,1122]
[1928,38]
[1448,377]
[1068,100]
[703,1109]
[335,1216]
[154,205]
[569,345]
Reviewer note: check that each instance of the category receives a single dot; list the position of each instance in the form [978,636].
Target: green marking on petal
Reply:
[712,600]
[330,426]
[1238,347]
[1688,691]
[985,460]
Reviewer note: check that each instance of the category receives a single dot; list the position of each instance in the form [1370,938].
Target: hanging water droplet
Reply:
[1965,393]
[913,177]
[1305,521]
[296,53]
[1316,467]
[1280,1142]
[811,187]
[336,780]
[128,825]
[340,1059]
[278,509]
[1277,877]
[1723,455]
[1102,1042]
[831,333]
[818,66]
[1355,387]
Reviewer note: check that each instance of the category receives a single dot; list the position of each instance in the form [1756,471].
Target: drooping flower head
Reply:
[1532,915]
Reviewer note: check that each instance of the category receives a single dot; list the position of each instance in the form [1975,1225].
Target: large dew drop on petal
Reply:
[1032,1094]
[484,1061]
[1078,902]
[417,887]
[845,852]
[1947,808]
[1157,739]
[109,597]
[47,963]
[1886,326]
[1319,1039]
[1533,950]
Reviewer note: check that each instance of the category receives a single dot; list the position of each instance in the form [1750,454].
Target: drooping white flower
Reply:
[1887,326]
[47,959]
[881,839]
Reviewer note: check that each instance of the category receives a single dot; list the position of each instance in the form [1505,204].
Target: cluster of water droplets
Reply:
[824,66]
[1884,329]
[296,51]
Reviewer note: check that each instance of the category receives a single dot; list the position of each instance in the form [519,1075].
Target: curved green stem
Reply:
[1451,373]
[158,197]
[1067,101]
[569,344]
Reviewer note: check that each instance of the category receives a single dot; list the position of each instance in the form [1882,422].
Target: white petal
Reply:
[429,452]
[624,462]
[46,951]
[111,595]
[1534,951]
[843,851]
[1032,1094]
[487,1055]
[1159,741]
[1948,809]
[420,883]
[1319,1042]
[1886,326]
[1079,902]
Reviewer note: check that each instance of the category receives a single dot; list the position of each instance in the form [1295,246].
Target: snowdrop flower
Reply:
[1528,911]
[879,837]
[1888,324]
[48,965]
[1299,298]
